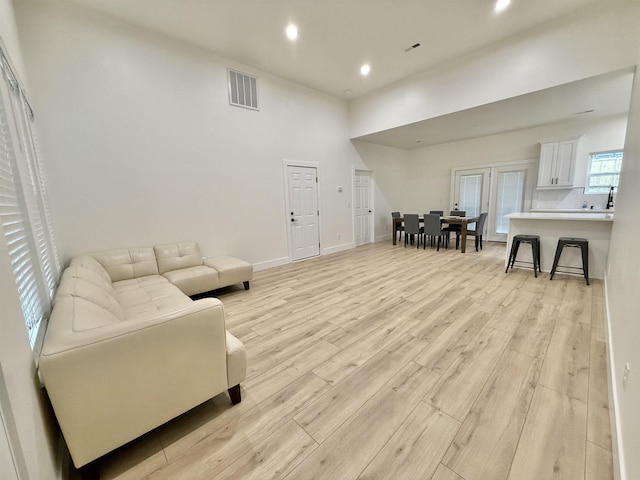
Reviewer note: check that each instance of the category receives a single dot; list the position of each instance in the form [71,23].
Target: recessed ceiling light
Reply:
[365,69]
[502,4]
[292,32]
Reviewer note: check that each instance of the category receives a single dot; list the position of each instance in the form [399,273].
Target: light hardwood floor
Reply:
[390,362]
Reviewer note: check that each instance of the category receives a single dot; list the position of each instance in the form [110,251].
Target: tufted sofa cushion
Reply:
[90,263]
[76,271]
[149,296]
[77,287]
[181,263]
[174,256]
[126,263]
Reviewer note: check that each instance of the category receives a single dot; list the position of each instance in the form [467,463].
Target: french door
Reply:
[511,191]
[471,191]
[498,190]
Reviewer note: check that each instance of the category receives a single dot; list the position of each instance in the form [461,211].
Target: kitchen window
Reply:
[604,171]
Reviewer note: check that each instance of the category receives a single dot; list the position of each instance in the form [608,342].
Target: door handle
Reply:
[369,211]
[293,219]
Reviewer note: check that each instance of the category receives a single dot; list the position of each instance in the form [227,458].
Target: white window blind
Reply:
[471,194]
[509,199]
[24,215]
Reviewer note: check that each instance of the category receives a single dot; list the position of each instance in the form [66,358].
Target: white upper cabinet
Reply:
[557,163]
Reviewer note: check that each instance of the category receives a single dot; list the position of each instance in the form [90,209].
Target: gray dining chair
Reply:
[399,227]
[454,228]
[431,212]
[478,230]
[412,227]
[433,230]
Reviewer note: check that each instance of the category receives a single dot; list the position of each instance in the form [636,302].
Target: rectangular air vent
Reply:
[243,90]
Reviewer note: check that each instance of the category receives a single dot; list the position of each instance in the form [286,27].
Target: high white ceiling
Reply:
[338,36]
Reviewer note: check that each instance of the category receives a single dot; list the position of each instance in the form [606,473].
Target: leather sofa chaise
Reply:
[126,349]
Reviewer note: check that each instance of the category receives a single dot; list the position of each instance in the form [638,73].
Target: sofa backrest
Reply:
[174,256]
[127,263]
[77,282]
[89,263]
[76,271]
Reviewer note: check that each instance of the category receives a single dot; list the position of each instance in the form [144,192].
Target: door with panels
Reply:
[302,212]
[363,208]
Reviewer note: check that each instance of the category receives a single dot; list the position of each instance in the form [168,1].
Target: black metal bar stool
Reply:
[583,245]
[534,240]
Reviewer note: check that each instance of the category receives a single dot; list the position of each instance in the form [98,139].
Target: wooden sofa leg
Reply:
[246,285]
[234,394]
[90,471]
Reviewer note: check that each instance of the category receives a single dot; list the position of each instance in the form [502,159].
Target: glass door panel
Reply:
[510,194]
[512,189]
[471,191]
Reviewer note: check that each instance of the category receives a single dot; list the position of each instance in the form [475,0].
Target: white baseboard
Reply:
[286,260]
[617,449]
[383,238]
[338,248]
[270,264]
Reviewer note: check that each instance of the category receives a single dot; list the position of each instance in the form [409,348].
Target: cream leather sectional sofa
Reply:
[126,349]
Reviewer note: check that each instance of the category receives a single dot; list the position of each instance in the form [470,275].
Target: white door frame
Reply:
[297,163]
[372,223]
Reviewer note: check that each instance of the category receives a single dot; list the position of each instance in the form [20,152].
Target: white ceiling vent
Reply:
[243,90]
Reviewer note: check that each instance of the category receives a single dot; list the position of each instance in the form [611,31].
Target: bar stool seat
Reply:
[534,240]
[583,245]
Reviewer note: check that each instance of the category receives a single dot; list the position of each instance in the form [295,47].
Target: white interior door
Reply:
[363,208]
[471,191]
[511,191]
[302,213]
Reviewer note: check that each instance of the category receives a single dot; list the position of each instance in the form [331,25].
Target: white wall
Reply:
[600,40]
[428,183]
[141,146]
[23,405]
[622,287]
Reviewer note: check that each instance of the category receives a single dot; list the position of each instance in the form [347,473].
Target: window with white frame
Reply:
[24,216]
[604,171]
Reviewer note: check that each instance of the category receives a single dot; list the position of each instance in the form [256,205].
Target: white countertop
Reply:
[588,217]
[572,210]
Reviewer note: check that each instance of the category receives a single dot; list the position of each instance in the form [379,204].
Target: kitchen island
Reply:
[550,226]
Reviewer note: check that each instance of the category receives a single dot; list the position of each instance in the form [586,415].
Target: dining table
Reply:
[448,219]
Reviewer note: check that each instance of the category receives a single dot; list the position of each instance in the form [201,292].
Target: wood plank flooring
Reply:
[385,362]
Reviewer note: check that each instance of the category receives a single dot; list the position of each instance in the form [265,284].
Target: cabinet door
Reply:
[546,169]
[564,163]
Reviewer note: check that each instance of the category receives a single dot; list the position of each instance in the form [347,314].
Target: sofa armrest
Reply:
[112,384]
